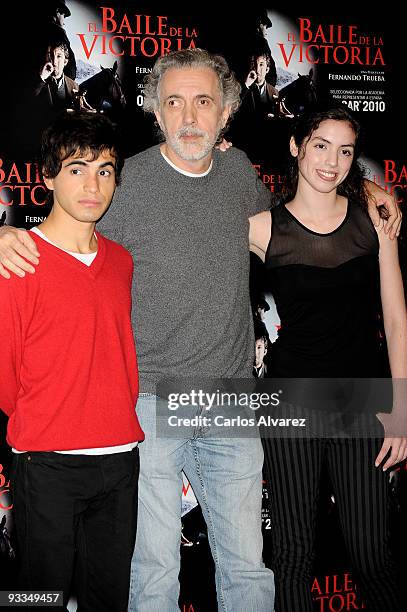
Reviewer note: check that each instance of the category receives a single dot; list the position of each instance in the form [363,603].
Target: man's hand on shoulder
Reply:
[17,252]
[380,198]
[224,145]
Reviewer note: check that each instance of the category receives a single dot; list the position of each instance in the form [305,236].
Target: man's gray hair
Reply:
[192,58]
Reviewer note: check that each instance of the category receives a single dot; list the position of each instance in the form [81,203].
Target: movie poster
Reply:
[287,62]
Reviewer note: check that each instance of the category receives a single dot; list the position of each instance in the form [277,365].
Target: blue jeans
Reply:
[226,476]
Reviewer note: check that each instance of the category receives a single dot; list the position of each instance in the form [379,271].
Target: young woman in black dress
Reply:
[328,267]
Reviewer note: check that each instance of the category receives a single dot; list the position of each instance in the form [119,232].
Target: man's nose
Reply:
[189,113]
[92,183]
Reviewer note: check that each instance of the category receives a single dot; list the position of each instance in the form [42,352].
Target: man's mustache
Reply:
[189,131]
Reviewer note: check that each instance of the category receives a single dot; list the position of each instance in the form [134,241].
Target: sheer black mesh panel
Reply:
[293,243]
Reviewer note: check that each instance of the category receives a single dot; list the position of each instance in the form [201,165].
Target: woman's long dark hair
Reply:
[353,186]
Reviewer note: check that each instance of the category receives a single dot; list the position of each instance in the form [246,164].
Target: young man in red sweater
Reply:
[69,381]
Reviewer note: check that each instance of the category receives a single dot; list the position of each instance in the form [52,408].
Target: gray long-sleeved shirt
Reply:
[189,240]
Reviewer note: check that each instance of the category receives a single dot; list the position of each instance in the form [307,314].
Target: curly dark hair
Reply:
[353,186]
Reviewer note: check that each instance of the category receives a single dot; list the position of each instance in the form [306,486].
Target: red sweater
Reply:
[68,368]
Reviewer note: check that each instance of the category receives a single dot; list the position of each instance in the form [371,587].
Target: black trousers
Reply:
[76,516]
[293,469]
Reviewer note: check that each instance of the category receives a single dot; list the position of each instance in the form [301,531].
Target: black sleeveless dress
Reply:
[327,292]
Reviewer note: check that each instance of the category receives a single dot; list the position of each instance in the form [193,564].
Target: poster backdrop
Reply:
[303,58]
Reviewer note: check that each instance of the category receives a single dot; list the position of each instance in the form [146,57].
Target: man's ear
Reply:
[293,147]
[158,117]
[65,62]
[49,183]
[225,115]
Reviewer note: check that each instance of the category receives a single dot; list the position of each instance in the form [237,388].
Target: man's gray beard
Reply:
[201,150]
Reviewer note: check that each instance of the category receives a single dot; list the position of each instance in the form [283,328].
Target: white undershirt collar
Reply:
[185,172]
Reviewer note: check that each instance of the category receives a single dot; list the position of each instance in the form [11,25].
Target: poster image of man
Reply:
[54,89]
[259,367]
[260,96]
[55,12]
[261,337]
[261,46]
